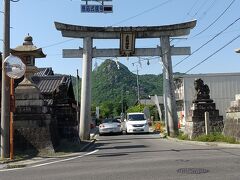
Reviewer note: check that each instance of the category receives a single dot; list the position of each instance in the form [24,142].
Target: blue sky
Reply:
[37,17]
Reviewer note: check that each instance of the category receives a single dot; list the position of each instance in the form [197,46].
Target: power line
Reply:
[189,12]
[207,42]
[215,19]
[213,54]
[200,17]
[55,44]
[208,9]
[143,12]
[202,5]
[127,19]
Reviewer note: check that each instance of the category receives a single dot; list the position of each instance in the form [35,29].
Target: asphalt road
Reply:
[138,157]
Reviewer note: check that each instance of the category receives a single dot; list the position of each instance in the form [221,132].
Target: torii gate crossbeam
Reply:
[88,52]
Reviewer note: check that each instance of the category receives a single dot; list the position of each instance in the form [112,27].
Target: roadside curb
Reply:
[213,144]
[37,159]
[85,147]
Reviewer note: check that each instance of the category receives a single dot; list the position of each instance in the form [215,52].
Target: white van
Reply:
[136,123]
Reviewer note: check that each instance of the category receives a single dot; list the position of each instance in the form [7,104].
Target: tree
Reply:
[136,108]
[106,109]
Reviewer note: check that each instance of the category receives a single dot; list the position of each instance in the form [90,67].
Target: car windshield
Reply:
[136,117]
[110,121]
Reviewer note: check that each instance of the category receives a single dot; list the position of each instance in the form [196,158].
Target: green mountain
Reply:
[115,85]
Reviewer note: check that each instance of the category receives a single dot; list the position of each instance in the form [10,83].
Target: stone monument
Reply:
[195,123]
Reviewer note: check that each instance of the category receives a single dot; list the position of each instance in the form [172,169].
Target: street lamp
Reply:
[15,69]
[237,50]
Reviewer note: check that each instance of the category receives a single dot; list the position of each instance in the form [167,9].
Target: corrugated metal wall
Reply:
[223,88]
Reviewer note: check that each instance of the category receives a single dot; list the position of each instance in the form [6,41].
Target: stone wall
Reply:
[66,120]
[232,122]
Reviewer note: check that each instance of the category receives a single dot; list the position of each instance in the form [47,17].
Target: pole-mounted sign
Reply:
[96,8]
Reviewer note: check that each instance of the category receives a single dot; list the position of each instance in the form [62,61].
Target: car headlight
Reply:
[101,126]
[129,125]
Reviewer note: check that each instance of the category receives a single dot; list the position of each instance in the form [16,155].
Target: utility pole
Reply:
[5,103]
[122,101]
[138,90]
[77,84]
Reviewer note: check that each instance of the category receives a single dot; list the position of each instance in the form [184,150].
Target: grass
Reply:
[182,136]
[216,137]
[18,156]
[213,137]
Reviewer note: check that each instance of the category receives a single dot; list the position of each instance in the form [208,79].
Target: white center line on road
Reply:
[53,162]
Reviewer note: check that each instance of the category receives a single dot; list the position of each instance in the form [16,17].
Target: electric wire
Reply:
[215,19]
[200,17]
[199,9]
[204,44]
[150,9]
[127,19]
[55,44]
[213,54]
[143,12]
[207,10]
[189,12]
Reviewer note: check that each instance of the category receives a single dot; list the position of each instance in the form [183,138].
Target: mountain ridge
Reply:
[111,81]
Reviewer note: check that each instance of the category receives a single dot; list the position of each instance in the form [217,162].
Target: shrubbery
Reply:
[213,137]
[216,137]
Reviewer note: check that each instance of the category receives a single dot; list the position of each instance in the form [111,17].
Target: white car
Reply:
[136,123]
[110,126]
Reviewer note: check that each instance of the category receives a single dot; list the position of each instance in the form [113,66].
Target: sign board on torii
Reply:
[88,52]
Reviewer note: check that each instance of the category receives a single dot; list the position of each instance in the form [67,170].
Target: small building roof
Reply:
[48,84]
[44,72]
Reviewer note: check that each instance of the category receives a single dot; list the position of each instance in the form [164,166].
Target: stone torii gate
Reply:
[127,36]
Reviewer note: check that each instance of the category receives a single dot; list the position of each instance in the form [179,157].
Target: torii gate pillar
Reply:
[85,111]
[169,95]
[124,33]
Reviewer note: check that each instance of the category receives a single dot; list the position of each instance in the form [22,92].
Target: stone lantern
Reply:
[28,52]
[33,122]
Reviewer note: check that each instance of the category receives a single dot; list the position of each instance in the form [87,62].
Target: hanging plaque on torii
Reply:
[127,43]
[127,36]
